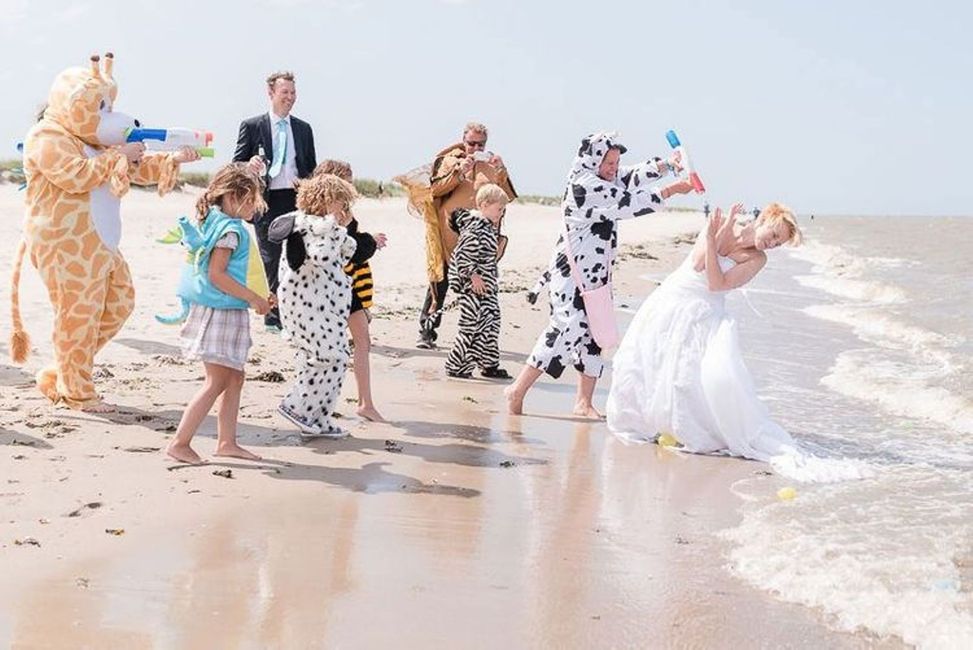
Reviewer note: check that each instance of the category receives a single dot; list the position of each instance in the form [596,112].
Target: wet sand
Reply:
[455,525]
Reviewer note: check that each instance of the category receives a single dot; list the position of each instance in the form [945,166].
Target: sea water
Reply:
[861,343]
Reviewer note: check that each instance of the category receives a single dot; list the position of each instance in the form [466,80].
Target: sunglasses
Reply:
[479,144]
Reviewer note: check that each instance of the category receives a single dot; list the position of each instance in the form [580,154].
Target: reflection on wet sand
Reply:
[481,531]
[563,547]
[57,616]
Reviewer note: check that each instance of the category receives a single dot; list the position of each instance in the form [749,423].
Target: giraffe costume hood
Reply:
[75,179]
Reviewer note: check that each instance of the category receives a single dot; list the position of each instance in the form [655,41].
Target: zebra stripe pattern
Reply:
[477,342]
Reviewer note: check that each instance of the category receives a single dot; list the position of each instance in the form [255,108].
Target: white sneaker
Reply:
[305,429]
[333,433]
[309,432]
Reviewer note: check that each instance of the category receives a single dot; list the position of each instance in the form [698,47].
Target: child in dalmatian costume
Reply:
[598,194]
[315,300]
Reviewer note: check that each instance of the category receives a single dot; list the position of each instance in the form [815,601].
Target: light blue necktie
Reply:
[280,149]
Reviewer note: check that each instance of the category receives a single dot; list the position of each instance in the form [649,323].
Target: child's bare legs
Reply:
[226,444]
[197,410]
[358,324]
[516,391]
[583,405]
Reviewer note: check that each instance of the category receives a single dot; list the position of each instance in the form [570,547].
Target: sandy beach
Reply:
[455,525]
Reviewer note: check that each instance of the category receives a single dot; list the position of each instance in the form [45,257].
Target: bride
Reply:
[679,368]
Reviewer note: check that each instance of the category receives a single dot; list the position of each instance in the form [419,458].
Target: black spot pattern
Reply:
[314,304]
[579,193]
[603,229]
[591,209]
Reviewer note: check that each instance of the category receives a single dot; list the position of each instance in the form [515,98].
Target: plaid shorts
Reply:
[220,336]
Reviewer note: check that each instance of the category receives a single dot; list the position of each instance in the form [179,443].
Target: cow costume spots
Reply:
[477,342]
[314,303]
[591,207]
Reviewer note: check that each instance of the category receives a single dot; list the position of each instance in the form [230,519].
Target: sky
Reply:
[834,107]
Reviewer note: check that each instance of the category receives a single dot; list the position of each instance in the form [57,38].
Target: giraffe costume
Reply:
[75,180]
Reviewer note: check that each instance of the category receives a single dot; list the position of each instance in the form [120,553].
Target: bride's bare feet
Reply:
[587,411]
[370,413]
[515,401]
[236,451]
[183,453]
[99,407]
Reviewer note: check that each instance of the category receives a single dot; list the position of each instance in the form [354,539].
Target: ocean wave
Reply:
[891,262]
[890,554]
[880,329]
[831,256]
[838,272]
[903,389]
[853,289]
[859,552]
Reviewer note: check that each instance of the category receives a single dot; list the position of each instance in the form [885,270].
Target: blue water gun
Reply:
[684,160]
[173,139]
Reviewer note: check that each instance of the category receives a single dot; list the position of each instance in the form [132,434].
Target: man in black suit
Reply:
[281,148]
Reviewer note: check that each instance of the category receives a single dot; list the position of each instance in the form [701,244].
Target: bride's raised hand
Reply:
[726,229]
[715,225]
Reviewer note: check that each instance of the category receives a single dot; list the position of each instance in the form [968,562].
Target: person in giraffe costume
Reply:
[78,166]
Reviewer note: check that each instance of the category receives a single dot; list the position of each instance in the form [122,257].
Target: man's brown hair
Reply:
[282,74]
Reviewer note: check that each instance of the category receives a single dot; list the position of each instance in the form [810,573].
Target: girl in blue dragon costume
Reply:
[188,234]
[214,285]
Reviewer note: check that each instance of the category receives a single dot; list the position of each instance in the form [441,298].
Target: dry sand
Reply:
[454,526]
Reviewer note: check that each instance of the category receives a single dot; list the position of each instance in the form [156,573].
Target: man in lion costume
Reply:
[435,191]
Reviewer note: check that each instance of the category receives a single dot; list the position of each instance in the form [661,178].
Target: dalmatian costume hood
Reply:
[591,207]
[75,179]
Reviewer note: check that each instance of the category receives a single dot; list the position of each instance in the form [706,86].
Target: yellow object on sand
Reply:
[786,493]
[667,440]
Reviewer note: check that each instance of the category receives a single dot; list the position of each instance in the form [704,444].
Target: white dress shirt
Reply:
[288,172]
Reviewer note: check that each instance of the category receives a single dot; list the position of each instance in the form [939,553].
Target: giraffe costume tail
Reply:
[19,340]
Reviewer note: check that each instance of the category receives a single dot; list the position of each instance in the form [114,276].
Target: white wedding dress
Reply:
[679,370]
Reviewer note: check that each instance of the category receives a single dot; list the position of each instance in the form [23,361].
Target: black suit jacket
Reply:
[255,132]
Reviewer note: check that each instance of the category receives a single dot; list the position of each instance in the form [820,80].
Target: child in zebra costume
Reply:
[315,299]
[473,279]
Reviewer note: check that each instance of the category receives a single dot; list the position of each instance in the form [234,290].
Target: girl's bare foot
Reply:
[183,453]
[236,451]
[515,402]
[587,411]
[370,413]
